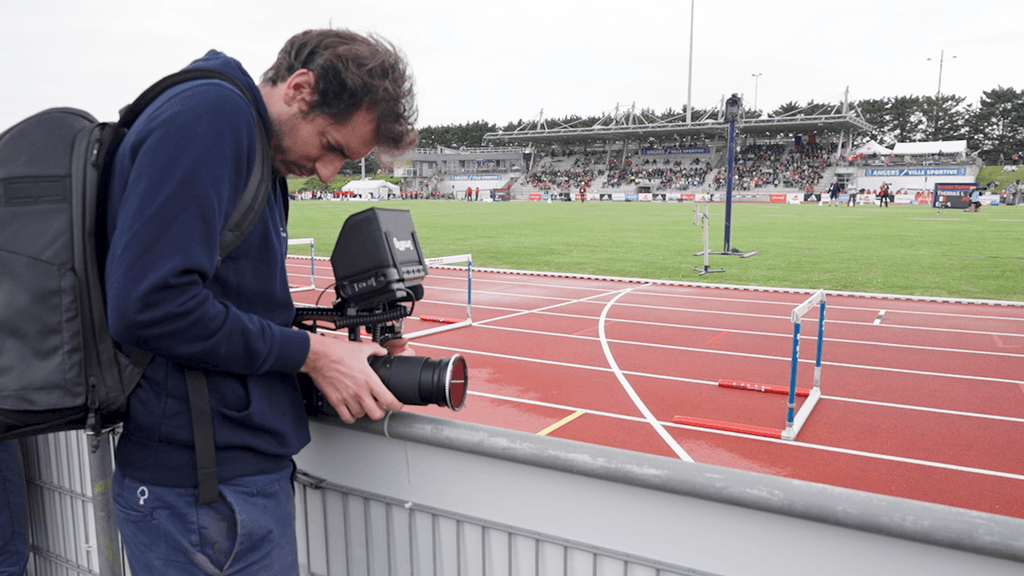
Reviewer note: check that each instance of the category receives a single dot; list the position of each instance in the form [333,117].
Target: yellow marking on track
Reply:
[560,423]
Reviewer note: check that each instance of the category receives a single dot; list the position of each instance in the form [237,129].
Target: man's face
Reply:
[310,144]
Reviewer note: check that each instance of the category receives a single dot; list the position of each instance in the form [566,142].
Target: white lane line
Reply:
[629,389]
[532,360]
[797,443]
[770,357]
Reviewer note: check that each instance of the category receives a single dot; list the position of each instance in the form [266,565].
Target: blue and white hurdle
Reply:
[795,420]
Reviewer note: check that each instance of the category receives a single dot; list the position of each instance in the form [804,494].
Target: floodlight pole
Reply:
[689,79]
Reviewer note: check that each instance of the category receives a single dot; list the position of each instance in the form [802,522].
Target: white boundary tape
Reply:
[1011,303]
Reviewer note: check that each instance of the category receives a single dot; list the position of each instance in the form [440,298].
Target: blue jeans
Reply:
[13,511]
[249,530]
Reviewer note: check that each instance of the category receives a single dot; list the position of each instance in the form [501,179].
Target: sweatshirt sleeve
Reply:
[176,181]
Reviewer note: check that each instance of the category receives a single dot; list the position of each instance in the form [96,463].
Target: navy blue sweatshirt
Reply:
[175,182]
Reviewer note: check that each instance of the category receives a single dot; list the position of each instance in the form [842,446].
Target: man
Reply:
[833,192]
[975,201]
[331,96]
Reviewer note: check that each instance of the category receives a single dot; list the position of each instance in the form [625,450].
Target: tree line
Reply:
[993,127]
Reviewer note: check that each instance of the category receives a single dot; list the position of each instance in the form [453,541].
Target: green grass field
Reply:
[912,250]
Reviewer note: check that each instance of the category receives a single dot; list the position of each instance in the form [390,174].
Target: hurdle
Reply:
[312,264]
[794,420]
[450,323]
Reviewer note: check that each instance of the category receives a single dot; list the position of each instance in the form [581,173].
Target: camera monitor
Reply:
[377,259]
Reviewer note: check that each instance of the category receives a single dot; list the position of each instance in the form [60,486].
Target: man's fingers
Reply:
[399,347]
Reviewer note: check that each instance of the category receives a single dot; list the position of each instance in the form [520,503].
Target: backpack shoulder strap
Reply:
[202,432]
[242,220]
[254,197]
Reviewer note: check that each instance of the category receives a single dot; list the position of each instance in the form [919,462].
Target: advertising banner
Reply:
[904,172]
[475,177]
[698,150]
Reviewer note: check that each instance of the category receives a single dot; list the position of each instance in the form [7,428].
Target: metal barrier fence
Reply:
[60,498]
[350,532]
[426,496]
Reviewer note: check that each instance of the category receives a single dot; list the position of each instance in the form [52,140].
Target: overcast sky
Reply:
[507,61]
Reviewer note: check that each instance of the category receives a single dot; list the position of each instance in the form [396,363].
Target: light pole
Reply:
[942,57]
[938,91]
[689,79]
[756,76]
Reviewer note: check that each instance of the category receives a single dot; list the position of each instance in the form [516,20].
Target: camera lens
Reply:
[420,381]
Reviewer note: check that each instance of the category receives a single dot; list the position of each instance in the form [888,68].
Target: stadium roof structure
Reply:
[632,125]
[930,148]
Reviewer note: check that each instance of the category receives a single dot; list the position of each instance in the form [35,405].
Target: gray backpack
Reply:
[59,367]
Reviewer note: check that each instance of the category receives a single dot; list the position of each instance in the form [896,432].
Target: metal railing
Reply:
[413,494]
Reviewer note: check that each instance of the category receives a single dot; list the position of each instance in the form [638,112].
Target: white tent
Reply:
[371,188]
[872,147]
[931,148]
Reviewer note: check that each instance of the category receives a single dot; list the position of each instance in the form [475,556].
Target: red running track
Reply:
[920,399]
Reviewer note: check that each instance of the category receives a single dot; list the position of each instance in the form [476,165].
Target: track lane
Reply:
[880,427]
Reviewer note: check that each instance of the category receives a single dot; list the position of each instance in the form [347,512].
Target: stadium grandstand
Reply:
[634,156]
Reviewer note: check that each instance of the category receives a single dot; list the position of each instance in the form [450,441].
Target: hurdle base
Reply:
[736,252]
[707,270]
[766,388]
[437,330]
[793,428]
[728,427]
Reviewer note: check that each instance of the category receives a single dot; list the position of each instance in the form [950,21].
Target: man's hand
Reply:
[399,347]
[339,368]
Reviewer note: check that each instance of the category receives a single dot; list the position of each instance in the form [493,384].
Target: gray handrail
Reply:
[934,524]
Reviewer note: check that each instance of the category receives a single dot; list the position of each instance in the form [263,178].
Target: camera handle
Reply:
[383,324]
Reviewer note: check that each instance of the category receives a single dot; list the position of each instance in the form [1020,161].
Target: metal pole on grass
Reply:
[733,107]
[701,219]
[730,163]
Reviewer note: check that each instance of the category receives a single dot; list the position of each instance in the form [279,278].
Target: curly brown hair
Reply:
[353,71]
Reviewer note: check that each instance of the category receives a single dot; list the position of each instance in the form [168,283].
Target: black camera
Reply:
[378,269]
